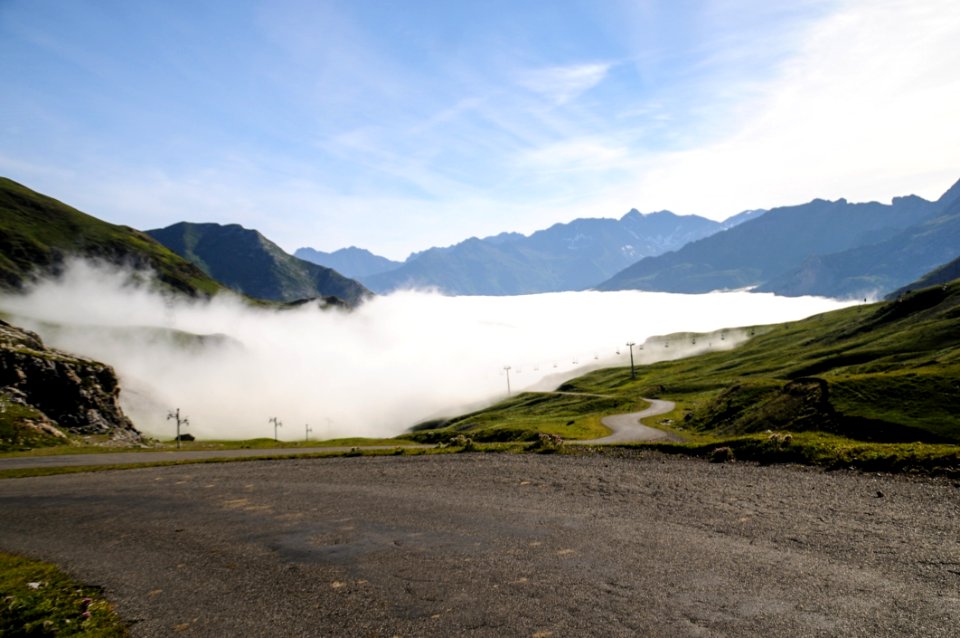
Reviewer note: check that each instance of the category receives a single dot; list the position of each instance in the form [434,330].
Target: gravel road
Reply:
[502,545]
[149,456]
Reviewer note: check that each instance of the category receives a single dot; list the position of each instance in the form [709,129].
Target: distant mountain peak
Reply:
[351,262]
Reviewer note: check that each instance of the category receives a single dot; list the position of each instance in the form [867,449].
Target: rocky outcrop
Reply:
[55,394]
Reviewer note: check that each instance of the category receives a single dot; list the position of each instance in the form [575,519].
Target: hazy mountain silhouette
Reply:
[878,268]
[350,262]
[570,256]
[790,250]
[939,276]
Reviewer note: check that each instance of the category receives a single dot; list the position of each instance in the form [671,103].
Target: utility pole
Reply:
[175,414]
[507,370]
[633,370]
[277,423]
[307,431]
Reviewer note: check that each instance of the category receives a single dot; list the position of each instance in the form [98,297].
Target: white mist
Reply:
[375,371]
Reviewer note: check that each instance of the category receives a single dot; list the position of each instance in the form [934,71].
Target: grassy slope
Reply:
[38,232]
[521,417]
[887,372]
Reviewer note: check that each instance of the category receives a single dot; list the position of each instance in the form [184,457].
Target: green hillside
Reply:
[37,233]
[885,373]
[249,263]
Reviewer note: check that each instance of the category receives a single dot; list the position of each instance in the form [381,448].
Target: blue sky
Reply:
[398,125]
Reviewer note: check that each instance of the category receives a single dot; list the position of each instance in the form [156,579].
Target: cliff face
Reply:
[46,394]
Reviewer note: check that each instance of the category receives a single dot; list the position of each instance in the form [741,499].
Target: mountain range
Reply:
[39,234]
[825,248]
[830,248]
[882,266]
[570,256]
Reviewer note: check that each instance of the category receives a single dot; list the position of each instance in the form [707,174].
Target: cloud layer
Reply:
[395,361]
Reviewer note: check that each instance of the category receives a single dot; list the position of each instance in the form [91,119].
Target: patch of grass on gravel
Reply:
[37,599]
[828,451]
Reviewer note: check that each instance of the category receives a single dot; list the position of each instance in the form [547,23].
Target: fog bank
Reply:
[376,371]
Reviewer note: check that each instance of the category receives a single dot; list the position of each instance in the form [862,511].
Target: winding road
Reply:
[628,429]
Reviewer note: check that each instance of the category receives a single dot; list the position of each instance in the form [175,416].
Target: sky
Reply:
[396,125]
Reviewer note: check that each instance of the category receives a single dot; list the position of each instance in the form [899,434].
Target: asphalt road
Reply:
[501,545]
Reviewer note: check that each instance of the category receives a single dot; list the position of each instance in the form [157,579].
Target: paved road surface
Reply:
[501,545]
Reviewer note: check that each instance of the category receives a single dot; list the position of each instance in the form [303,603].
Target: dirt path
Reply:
[502,545]
[628,429]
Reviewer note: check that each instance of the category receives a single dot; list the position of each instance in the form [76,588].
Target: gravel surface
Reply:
[150,456]
[502,545]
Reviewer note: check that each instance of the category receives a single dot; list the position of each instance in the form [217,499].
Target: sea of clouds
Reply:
[374,371]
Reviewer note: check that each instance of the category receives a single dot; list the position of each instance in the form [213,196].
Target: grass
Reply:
[15,435]
[37,599]
[524,416]
[827,451]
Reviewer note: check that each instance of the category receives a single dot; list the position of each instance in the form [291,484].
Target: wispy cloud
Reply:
[561,84]
[864,109]
[574,155]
